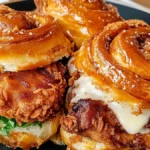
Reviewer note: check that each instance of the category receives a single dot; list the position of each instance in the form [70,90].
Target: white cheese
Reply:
[131,123]
[71,66]
[83,89]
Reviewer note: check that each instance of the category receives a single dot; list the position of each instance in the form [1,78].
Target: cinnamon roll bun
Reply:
[79,19]
[33,40]
[32,77]
[109,97]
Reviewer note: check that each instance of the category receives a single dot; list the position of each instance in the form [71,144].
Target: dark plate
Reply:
[125,12]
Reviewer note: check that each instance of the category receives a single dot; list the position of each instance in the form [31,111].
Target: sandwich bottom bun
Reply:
[56,138]
[77,142]
[32,136]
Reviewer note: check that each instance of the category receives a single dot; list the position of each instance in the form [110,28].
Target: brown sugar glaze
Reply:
[29,36]
[79,19]
[115,61]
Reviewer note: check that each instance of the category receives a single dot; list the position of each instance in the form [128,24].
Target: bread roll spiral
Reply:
[29,40]
[109,97]
[118,58]
[79,19]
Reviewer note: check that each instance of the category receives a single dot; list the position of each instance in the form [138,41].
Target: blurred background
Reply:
[143,2]
[143,5]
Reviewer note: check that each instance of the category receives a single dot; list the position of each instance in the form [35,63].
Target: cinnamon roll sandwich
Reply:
[108,101]
[32,77]
[79,19]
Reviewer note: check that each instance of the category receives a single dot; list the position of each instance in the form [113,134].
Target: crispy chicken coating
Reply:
[34,95]
[95,120]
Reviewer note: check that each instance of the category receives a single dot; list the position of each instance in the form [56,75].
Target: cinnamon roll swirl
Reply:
[79,19]
[109,98]
[33,40]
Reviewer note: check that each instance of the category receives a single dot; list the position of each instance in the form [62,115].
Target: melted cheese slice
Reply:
[83,89]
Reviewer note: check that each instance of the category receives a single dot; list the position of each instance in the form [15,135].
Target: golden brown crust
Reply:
[116,53]
[29,40]
[76,142]
[35,95]
[76,17]
[23,140]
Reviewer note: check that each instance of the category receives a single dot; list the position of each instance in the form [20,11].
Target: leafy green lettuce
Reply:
[6,125]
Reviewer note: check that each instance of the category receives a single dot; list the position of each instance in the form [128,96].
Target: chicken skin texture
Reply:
[34,95]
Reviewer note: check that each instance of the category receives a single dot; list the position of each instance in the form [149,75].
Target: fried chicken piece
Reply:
[34,95]
[93,119]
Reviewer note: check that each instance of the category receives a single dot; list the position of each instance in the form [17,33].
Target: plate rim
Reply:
[127,3]
[131,4]
[10,2]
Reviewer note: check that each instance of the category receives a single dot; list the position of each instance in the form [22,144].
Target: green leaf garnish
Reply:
[9,124]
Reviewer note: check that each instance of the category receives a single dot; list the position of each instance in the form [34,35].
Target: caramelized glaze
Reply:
[29,40]
[115,61]
[79,19]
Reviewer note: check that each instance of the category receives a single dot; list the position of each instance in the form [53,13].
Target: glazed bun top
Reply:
[80,19]
[118,59]
[29,40]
